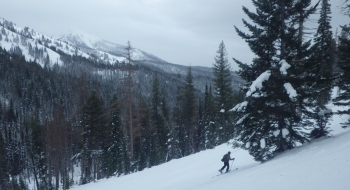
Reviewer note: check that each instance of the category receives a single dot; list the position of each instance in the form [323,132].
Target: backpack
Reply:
[223,158]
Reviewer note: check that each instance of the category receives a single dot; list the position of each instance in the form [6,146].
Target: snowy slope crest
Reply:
[103,49]
[75,42]
[33,45]
[26,42]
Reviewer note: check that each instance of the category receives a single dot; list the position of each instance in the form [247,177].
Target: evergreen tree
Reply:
[200,129]
[158,119]
[141,121]
[268,118]
[224,96]
[211,131]
[174,136]
[113,154]
[323,55]
[343,79]
[187,115]
[4,180]
[166,115]
[93,136]
[36,152]
[143,145]
[320,71]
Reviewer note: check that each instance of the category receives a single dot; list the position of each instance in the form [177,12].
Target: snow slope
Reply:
[28,40]
[323,164]
[102,48]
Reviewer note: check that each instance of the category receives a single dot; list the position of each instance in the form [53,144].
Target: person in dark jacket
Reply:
[226,161]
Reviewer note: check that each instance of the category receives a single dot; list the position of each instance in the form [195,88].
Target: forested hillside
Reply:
[66,112]
[74,113]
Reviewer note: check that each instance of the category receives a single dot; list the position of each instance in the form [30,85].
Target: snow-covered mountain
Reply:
[74,42]
[110,52]
[99,47]
[47,51]
[33,45]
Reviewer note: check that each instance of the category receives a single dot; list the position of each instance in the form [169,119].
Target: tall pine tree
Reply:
[94,131]
[211,131]
[343,98]
[187,115]
[320,71]
[200,129]
[269,120]
[223,92]
[113,153]
[159,119]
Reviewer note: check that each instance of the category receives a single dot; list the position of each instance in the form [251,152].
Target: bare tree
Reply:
[127,89]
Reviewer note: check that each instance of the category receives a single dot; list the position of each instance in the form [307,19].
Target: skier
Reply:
[226,160]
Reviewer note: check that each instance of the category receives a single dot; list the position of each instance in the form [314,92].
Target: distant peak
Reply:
[81,37]
[81,33]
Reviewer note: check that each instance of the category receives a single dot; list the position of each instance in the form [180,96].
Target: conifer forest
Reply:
[85,119]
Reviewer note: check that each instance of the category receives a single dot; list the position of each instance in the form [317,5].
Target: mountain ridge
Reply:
[47,51]
[90,43]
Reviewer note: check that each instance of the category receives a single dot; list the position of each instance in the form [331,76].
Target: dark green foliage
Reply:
[320,70]
[143,145]
[268,118]
[32,90]
[185,116]
[113,153]
[344,76]
[36,152]
[4,174]
[322,58]
[317,133]
[142,148]
[103,145]
[159,120]
[269,124]
[174,135]
[211,131]
[18,184]
[34,94]
[93,136]
[199,138]
[224,97]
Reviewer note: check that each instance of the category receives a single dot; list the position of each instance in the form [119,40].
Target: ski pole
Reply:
[231,164]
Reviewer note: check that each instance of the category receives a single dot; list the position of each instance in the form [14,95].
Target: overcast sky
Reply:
[185,32]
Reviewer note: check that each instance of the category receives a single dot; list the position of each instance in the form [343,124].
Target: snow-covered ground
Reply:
[322,164]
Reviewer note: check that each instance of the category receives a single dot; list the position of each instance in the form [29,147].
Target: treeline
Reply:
[70,124]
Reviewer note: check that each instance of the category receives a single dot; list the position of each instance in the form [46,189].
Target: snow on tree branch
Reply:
[290,90]
[257,84]
[240,106]
[284,67]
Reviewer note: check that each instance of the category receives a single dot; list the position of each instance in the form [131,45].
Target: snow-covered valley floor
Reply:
[322,164]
